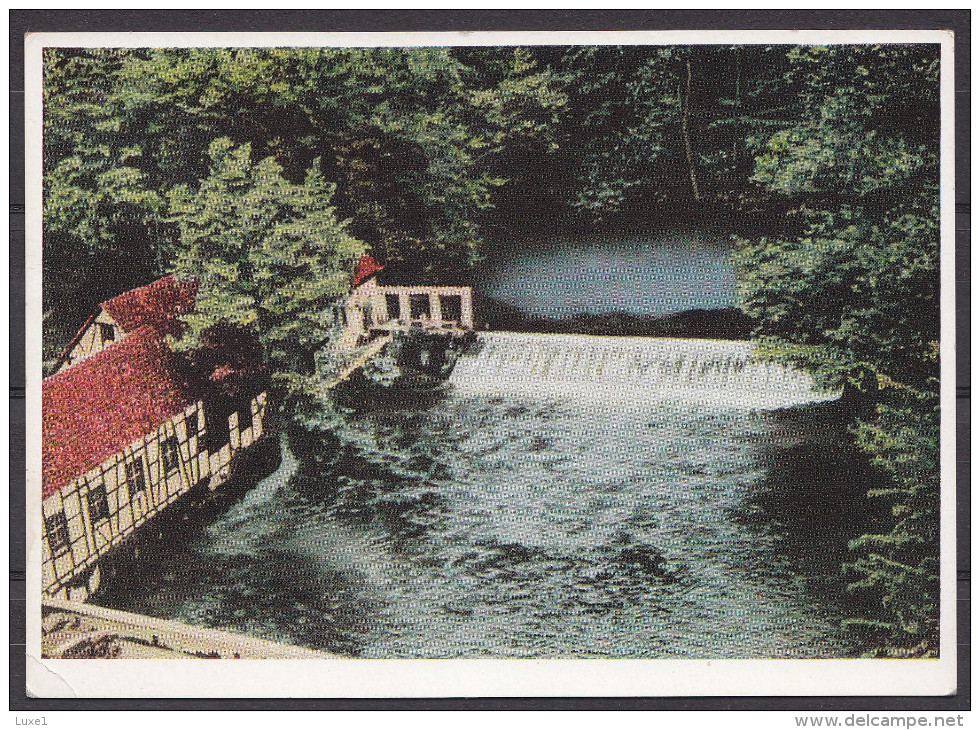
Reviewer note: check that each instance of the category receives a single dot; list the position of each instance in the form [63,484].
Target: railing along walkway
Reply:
[432,307]
[83,630]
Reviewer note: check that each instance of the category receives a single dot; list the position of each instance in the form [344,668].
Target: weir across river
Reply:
[710,372]
[491,519]
[716,373]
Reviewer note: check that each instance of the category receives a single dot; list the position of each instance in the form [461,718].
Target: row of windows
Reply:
[56,526]
[419,307]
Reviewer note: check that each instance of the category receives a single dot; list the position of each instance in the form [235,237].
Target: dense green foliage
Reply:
[407,139]
[853,294]
[649,129]
[422,146]
[267,255]
[262,173]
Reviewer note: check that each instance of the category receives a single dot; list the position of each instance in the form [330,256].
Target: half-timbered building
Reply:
[125,434]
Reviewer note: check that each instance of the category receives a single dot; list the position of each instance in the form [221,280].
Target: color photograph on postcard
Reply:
[498,351]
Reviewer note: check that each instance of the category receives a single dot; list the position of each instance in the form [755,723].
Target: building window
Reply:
[418,306]
[56,529]
[108,332]
[191,423]
[171,456]
[452,308]
[394,306]
[135,476]
[369,314]
[98,505]
[216,426]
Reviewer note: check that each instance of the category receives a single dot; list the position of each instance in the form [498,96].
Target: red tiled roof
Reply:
[366,267]
[95,408]
[157,304]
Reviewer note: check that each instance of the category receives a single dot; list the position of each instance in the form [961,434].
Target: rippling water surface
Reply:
[451,525]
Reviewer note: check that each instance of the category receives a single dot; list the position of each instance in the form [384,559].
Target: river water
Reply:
[461,525]
[558,275]
[540,521]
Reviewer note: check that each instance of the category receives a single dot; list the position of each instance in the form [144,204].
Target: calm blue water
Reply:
[478,526]
[559,276]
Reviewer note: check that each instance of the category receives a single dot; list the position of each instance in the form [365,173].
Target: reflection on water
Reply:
[655,275]
[454,525]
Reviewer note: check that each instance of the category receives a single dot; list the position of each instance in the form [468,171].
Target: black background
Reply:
[27,21]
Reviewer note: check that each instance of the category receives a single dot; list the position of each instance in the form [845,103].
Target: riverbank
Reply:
[713,324]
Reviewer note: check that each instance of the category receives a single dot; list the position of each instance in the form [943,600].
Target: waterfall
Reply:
[717,373]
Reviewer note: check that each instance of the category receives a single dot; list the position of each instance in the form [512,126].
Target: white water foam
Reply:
[714,373]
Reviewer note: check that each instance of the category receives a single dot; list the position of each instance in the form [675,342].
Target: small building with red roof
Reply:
[372,308]
[125,433]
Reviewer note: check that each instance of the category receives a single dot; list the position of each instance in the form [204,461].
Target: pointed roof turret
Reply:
[366,268]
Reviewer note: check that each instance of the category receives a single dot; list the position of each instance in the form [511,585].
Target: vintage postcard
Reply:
[490,364]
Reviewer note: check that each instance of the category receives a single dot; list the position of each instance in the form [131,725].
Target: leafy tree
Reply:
[415,141]
[100,214]
[408,135]
[623,126]
[653,129]
[899,564]
[518,102]
[853,296]
[268,256]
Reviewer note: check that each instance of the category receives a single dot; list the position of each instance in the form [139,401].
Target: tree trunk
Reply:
[686,134]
